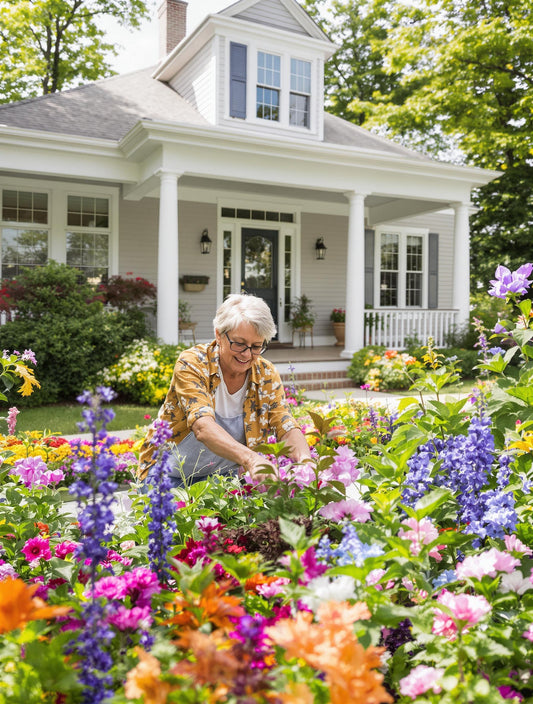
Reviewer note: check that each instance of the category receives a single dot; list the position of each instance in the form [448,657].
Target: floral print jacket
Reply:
[192,395]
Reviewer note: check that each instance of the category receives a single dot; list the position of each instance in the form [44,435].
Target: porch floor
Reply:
[311,367]
[287,354]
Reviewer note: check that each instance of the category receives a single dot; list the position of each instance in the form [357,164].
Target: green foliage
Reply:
[360,361]
[51,45]
[144,371]
[380,368]
[302,314]
[466,359]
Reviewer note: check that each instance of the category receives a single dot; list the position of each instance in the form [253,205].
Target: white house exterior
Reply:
[228,134]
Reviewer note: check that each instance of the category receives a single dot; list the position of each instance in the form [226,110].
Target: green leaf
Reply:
[292,533]
[428,503]
[524,393]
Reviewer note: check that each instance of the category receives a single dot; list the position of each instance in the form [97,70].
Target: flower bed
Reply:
[395,566]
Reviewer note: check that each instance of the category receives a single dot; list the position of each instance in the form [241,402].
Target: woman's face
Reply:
[234,361]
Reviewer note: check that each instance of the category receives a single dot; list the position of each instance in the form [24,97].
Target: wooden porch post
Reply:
[167,259]
[355,275]
[461,263]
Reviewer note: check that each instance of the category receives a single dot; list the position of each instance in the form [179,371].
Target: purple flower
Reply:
[34,472]
[28,356]
[508,282]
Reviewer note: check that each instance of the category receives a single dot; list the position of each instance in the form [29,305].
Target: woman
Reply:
[225,399]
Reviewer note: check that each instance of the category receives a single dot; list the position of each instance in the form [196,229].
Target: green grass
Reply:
[61,419]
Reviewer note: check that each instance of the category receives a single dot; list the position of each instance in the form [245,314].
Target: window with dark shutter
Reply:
[237,87]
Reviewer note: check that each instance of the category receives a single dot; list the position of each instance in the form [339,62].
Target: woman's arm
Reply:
[298,449]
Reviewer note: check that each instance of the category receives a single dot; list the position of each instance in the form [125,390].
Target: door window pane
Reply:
[258,263]
[413,273]
[226,284]
[388,285]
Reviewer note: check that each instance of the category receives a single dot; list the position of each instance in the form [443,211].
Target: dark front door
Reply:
[260,266]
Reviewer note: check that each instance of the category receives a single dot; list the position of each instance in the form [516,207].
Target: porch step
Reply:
[311,381]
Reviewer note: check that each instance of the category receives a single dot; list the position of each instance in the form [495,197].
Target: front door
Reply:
[259,274]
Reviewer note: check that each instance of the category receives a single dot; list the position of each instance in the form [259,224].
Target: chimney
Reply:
[172,25]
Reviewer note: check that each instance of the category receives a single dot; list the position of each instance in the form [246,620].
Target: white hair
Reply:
[243,307]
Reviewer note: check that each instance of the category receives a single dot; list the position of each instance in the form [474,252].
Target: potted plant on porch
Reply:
[302,317]
[338,318]
[194,282]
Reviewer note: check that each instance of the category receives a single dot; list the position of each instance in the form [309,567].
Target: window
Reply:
[300,93]
[401,270]
[24,243]
[268,86]
[88,236]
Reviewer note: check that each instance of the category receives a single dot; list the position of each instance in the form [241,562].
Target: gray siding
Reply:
[138,251]
[324,281]
[196,82]
[273,13]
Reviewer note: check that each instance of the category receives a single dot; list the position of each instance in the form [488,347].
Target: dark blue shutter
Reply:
[237,83]
[433,270]
[369,268]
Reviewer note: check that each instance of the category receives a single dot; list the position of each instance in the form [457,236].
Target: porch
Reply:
[320,367]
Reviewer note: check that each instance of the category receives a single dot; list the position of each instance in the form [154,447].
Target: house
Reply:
[225,146]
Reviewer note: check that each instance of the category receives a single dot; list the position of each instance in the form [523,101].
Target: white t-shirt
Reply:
[230,405]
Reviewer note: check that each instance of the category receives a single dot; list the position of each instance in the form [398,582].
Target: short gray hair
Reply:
[243,307]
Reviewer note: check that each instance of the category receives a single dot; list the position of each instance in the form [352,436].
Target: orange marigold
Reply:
[18,605]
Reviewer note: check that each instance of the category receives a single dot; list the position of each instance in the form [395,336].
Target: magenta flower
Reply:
[34,472]
[462,612]
[110,588]
[356,510]
[141,583]
[273,588]
[36,549]
[510,282]
[67,547]
[420,680]
[343,468]
[507,692]
[12,419]
[529,633]
[134,618]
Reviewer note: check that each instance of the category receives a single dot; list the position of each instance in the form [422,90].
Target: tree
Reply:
[49,45]
[462,91]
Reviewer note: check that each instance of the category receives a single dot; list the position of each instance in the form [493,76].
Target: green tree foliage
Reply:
[72,335]
[49,45]
[462,83]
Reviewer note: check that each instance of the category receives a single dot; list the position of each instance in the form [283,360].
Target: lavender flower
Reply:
[508,282]
[161,504]
[350,551]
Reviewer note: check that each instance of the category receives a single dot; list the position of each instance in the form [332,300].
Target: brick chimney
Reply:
[172,25]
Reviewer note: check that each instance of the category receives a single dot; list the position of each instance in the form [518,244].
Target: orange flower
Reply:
[213,606]
[258,580]
[43,529]
[144,680]
[299,693]
[18,605]
[331,647]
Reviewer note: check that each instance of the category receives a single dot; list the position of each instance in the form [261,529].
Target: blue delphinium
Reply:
[95,496]
[466,463]
[350,551]
[161,504]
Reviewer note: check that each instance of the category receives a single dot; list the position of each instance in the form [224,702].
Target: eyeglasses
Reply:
[241,347]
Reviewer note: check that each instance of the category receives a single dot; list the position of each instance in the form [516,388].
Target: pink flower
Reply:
[124,618]
[466,611]
[343,468]
[350,508]
[312,567]
[36,549]
[141,583]
[420,680]
[422,533]
[65,548]
[34,472]
[515,582]
[374,576]
[12,419]
[487,563]
[507,692]
[529,633]
[273,589]
[110,588]
[513,544]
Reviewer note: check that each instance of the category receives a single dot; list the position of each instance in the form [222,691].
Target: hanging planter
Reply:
[192,282]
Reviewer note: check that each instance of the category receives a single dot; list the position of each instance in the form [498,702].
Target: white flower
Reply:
[515,582]
[326,589]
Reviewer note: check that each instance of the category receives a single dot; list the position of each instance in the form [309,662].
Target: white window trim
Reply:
[291,229]
[403,233]
[57,213]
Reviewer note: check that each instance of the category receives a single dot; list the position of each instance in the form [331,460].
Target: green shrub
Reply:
[361,359]
[71,334]
[144,371]
[467,358]
[384,369]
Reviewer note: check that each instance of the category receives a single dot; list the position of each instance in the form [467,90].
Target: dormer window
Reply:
[300,93]
[268,86]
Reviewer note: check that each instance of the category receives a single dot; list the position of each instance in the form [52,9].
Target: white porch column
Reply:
[461,263]
[355,276]
[167,259]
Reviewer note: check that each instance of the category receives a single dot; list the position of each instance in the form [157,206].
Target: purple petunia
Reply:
[507,282]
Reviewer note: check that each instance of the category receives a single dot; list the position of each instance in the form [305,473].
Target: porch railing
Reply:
[392,328]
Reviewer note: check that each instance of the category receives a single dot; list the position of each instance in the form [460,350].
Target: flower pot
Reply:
[193,287]
[338,329]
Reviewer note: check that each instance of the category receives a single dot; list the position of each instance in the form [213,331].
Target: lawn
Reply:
[61,419]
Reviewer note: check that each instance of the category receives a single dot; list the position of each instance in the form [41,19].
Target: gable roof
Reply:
[283,14]
[109,109]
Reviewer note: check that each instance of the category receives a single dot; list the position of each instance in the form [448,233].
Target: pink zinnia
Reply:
[141,583]
[124,618]
[36,549]
[466,609]
[487,563]
[110,588]
[420,680]
[422,533]
[65,548]
[356,510]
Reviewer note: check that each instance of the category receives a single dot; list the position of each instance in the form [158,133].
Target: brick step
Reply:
[319,375]
[323,382]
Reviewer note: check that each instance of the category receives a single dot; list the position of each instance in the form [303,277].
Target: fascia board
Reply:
[215,24]
[147,135]
[63,155]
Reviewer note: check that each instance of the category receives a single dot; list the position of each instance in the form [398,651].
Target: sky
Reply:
[141,48]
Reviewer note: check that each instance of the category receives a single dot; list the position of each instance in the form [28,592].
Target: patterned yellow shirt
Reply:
[192,395]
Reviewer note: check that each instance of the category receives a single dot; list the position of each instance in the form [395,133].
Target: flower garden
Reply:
[396,566]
